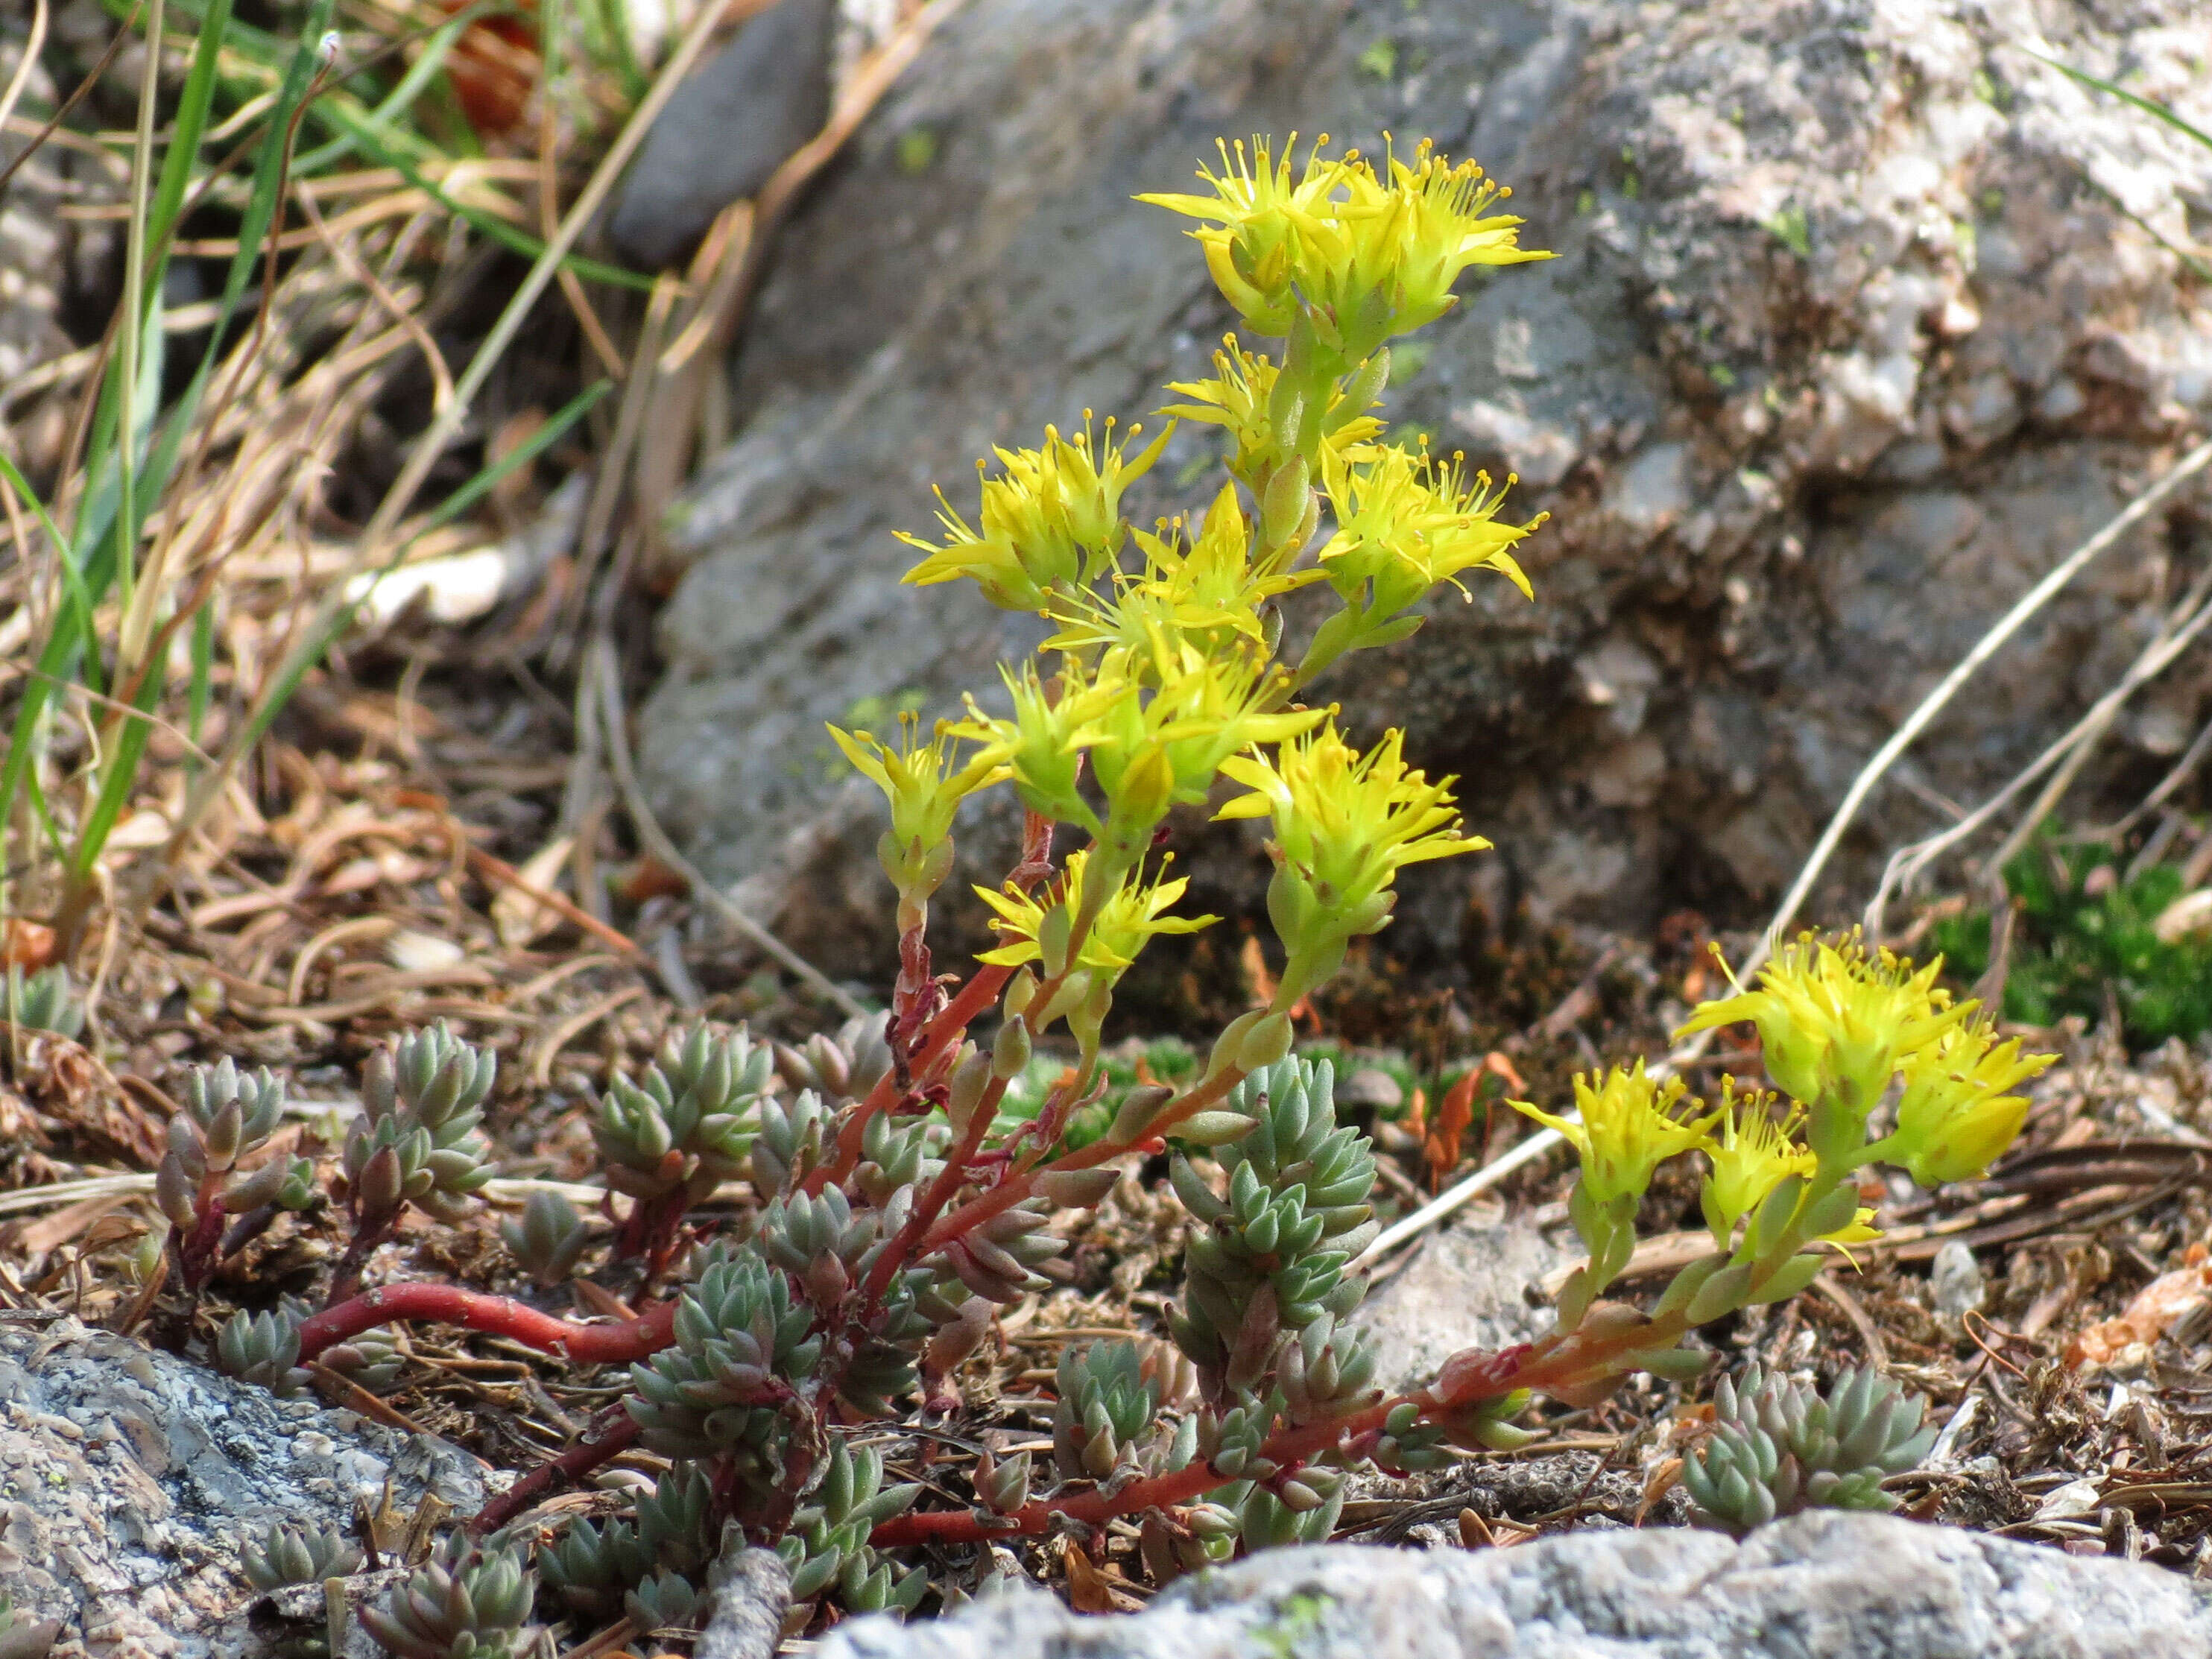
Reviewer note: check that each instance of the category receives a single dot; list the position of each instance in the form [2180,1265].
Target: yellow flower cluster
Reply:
[1345,825]
[1051,521]
[924,783]
[1839,1025]
[1360,257]
[1167,678]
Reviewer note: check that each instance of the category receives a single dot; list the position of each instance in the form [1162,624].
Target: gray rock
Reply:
[1817,1586]
[128,1478]
[1788,488]
[727,127]
[1464,1288]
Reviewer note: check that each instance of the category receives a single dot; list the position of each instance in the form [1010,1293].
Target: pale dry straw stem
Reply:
[2186,622]
[2067,754]
[32,48]
[371,548]
[1936,701]
[606,667]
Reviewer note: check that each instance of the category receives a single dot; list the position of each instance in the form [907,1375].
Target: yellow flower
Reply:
[1238,398]
[925,784]
[1043,743]
[1125,920]
[1168,747]
[1200,594]
[1406,523]
[1955,1116]
[1345,825]
[1630,1125]
[1835,1025]
[1053,520]
[1384,261]
[1752,1154]
[1254,206]
[1361,258]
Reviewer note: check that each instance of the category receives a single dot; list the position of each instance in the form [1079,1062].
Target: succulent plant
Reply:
[997,1260]
[373,1360]
[413,1142]
[687,1125]
[1778,1447]
[1272,1253]
[842,1068]
[1107,1403]
[548,1239]
[666,1603]
[262,1348]
[828,1543]
[44,1001]
[794,1132]
[225,1115]
[741,1340]
[298,1555]
[473,1604]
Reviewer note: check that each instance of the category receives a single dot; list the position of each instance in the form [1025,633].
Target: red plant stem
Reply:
[948,1028]
[1015,1189]
[949,1025]
[1290,1447]
[616,1437]
[448,1304]
[949,1179]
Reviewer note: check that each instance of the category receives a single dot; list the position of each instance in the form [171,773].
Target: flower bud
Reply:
[1021,990]
[222,1136]
[377,1189]
[970,1077]
[1010,1053]
[1139,1108]
[1264,1043]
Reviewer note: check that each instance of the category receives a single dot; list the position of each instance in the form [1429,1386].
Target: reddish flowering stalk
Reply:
[949,1179]
[496,1316]
[945,1028]
[1290,1447]
[616,1437]
[1013,1190]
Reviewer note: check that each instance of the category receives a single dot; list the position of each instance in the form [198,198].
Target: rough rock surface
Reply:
[1851,337]
[128,1477]
[728,128]
[1463,1289]
[1815,1587]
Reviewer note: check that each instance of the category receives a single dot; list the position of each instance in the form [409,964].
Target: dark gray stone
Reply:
[1817,1586]
[1787,491]
[727,127]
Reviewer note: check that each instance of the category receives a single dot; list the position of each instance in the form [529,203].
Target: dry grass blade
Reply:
[1965,669]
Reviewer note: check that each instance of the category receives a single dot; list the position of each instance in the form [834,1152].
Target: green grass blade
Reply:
[203,686]
[421,75]
[121,771]
[2147,106]
[186,129]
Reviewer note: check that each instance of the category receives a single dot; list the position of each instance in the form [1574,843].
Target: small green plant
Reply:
[291,1555]
[45,1001]
[2084,931]
[906,1183]
[474,1604]
[226,1116]
[1778,1447]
